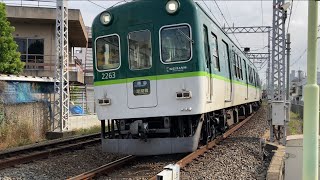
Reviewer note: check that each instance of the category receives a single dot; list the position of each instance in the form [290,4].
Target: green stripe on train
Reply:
[169,76]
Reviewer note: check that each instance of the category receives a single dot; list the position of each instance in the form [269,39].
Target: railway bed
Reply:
[237,157]
[33,152]
[221,162]
[147,167]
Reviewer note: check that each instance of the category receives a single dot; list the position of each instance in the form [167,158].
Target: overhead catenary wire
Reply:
[96,4]
[291,10]
[299,58]
[225,20]
[211,13]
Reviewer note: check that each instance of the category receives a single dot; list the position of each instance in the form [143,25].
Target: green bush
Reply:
[10,62]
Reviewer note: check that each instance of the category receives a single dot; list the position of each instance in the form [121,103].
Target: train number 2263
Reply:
[110,75]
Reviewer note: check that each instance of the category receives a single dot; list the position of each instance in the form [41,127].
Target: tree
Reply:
[10,62]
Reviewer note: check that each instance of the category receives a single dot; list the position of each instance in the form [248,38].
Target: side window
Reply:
[140,51]
[206,45]
[235,64]
[215,50]
[254,77]
[108,52]
[250,80]
[225,53]
[245,70]
[240,68]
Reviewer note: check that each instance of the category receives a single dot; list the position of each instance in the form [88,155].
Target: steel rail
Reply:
[103,169]
[30,153]
[192,156]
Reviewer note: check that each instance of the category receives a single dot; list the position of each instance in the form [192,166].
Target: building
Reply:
[35,29]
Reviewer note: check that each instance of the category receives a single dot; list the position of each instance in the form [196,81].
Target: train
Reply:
[167,78]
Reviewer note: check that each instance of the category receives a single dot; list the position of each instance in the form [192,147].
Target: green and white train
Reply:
[167,77]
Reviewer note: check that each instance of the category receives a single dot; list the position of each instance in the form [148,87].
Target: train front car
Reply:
[147,82]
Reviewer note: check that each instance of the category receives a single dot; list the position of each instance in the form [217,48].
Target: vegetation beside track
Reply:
[295,124]
[13,134]
[91,130]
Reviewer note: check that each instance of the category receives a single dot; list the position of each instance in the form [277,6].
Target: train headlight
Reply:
[172,6]
[105,18]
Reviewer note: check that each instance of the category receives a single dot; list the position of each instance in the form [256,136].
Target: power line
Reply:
[291,9]
[298,59]
[226,21]
[262,20]
[96,4]
[211,13]
[228,11]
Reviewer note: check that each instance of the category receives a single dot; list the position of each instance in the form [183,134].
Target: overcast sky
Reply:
[237,13]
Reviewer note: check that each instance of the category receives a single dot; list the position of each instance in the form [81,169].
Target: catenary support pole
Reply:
[311,100]
[288,104]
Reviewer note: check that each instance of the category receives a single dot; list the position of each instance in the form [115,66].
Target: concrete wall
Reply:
[35,114]
[83,122]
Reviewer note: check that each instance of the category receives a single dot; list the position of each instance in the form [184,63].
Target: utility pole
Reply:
[61,84]
[288,82]
[311,100]
[278,73]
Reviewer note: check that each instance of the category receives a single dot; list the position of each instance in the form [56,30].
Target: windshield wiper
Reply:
[189,39]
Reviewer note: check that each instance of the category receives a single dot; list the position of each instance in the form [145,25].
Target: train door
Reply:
[141,72]
[246,78]
[208,63]
[228,85]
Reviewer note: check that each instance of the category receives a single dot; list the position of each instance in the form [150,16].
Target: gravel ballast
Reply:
[237,157]
[61,166]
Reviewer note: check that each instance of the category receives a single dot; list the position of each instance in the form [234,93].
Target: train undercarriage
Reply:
[167,135]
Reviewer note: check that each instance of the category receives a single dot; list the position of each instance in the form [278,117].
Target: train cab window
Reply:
[107,53]
[206,46]
[214,47]
[140,51]
[175,44]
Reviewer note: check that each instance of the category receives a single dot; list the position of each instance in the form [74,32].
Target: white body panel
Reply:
[167,103]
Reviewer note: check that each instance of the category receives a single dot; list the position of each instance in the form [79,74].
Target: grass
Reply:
[13,134]
[91,130]
[295,124]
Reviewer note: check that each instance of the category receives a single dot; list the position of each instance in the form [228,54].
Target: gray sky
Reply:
[239,13]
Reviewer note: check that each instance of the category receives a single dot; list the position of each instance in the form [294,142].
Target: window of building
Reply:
[215,52]
[140,50]
[175,44]
[31,50]
[108,52]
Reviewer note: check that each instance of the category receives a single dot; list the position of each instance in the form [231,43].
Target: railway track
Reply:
[30,153]
[182,163]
